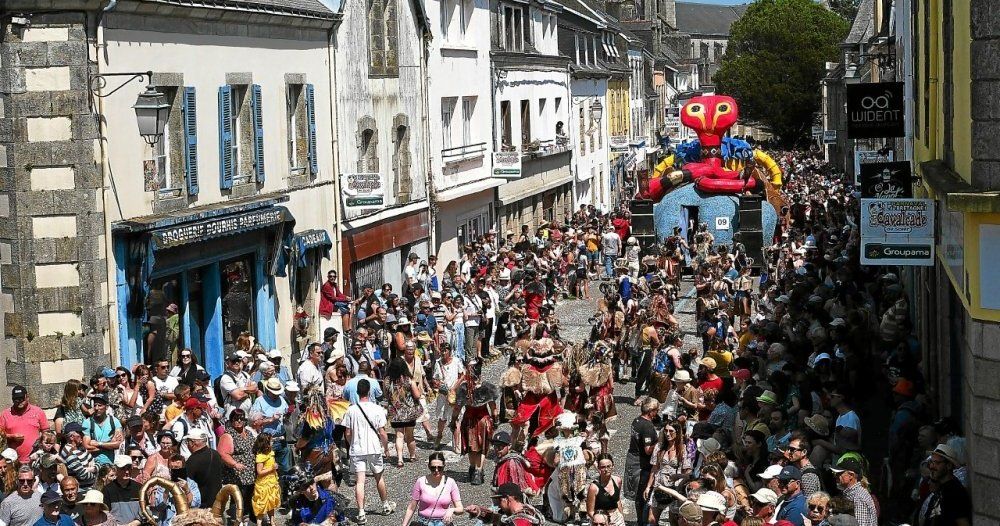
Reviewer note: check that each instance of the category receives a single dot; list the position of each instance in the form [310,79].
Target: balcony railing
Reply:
[463,153]
[545,147]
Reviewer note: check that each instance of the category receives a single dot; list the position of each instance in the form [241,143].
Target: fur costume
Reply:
[541,377]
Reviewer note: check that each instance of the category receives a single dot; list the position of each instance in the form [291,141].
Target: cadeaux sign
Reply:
[875,110]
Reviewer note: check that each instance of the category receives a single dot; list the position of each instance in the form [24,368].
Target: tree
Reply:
[845,8]
[775,61]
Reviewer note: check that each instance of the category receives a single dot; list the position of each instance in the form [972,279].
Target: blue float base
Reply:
[669,213]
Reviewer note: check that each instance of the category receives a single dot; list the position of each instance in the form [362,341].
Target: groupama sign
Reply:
[875,110]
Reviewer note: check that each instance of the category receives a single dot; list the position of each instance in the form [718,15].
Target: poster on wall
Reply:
[897,232]
[886,180]
[875,109]
[507,165]
[362,191]
[829,136]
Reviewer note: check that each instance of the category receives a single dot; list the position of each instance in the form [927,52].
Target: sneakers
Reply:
[362,517]
[388,507]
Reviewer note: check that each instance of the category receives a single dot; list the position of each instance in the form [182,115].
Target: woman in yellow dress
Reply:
[266,492]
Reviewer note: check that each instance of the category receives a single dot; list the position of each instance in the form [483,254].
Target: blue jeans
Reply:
[609,265]
[282,455]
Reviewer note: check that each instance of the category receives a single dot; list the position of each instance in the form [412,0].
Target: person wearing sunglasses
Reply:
[793,502]
[435,497]
[23,507]
[818,508]
[797,454]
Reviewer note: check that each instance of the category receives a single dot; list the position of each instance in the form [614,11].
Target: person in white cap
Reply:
[235,385]
[204,466]
[713,507]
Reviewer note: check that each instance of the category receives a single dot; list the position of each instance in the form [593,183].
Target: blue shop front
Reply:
[200,279]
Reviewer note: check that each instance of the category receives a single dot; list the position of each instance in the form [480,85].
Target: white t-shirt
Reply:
[364,439]
[230,382]
[410,274]
[165,386]
[309,375]
[611,243]
[448,374]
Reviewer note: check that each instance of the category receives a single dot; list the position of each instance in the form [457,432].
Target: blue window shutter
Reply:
[257,115]
[190,116]
[225,138]
[311,115]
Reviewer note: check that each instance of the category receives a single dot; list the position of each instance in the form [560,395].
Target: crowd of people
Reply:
[758,424]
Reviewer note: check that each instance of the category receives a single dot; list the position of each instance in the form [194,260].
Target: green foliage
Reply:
[775,61]
[845,8]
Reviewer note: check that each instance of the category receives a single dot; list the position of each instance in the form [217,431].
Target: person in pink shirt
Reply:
[23,422]
[435,498]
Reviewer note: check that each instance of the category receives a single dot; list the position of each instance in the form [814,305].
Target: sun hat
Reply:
[712,501]
[402,321]
[566,420]
[292,386]
[49,460]
[94,497]
[948,453]
[273,386]
[765,496]
[708,446]
[682,375]
[819,424]
[691,512]
[9,454]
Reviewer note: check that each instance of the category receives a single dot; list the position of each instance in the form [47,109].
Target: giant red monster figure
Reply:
[710,117]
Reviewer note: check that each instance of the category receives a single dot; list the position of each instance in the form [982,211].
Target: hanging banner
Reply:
[886,180]
[507,165]
[868,156]
[897,232]
[875,110]
[362,191]
[618,143]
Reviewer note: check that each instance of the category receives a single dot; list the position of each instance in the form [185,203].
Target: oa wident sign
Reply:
[875,110]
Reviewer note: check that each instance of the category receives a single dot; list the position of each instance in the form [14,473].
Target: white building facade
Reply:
[460,122]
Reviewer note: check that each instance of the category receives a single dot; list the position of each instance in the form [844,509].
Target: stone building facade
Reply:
[53,271]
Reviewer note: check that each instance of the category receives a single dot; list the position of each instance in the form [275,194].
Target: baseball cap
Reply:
[330,332]
[108,372]
[123,461]
[202,375]
[765,496]
[99,398]
[73,427]
[196,434]
[501,437]
[742,374]
[790,473]
[771,472]
[18,393]
[193,403]
[134,420]
[273,354]
[509,489]
[712,501]
[9,454]
[50,496]
[691,512]
[241,354]
[848,464]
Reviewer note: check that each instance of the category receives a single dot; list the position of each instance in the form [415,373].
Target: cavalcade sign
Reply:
[875,110]
[897,232]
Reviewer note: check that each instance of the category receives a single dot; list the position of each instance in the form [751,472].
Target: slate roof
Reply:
[707,19]
[864,23]
[310,8]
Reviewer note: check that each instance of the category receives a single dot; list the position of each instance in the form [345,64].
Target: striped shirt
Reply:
[77,461]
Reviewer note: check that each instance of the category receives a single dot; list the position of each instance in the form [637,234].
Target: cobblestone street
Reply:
[573,317]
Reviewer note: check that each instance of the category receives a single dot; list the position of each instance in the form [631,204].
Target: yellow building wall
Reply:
[618,107]
[962,93]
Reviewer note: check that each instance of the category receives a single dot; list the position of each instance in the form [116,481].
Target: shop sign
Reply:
[618,143]
[886,180]
[874,110]
[362,191]
[507,165]
[897,232]
[213,228]
[868,156]
[829,136]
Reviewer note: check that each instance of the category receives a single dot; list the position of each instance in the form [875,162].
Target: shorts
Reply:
[403,425]
[443,411]
[373,463]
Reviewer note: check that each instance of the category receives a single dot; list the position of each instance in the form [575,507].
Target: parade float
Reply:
[719,184]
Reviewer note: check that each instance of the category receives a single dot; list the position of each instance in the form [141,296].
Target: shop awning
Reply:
[205,230]
[307,240]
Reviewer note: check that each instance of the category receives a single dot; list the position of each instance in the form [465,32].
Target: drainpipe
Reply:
[432,204]
[338,237]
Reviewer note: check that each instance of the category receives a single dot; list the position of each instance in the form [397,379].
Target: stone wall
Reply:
[52,232]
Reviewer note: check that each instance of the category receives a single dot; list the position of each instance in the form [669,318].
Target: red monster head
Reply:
[710,117]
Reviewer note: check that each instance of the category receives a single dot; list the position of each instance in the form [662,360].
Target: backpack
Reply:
[217,387]
[94,424]
[826,478]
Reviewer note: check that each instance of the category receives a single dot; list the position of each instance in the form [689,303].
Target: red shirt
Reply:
[622,227]
[329,293]
[30,424]
[533,304]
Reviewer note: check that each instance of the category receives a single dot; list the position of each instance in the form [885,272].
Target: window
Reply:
[558,105]
[241,135]
[301,125]
[463,16]
[593,45]
[468,109]
[445,18]
[512,30]
[367,137]
[582,126]
[542,120]
[447,111]
[506,133]
[704,51]
[402,182]
[158,173]
[383,50]
[525,122]
[576,46]
[719,51]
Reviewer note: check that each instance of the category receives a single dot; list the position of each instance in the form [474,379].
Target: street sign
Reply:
[875,109]
[829,136]
[897,232]
[886,180]
[507,165]
[362,191]
[618,143]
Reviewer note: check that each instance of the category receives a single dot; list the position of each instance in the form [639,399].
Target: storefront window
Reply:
[162,331]
[237,297]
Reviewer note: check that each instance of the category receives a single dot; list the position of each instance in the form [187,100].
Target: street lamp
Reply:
[597,111]
[151,111]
